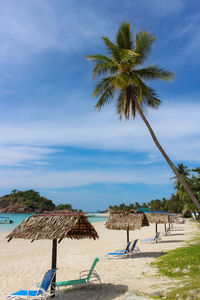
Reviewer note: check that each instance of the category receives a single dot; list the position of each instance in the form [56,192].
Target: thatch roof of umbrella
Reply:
[126,221]
[157,217]
[54,226]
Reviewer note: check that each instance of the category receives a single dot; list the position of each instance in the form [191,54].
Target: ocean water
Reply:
[18,218]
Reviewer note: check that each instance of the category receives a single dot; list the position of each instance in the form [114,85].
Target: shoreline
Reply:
[31,260]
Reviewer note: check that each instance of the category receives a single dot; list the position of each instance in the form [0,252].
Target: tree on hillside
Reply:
[121,76]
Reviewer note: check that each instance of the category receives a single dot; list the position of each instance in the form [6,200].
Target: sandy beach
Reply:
[23,263]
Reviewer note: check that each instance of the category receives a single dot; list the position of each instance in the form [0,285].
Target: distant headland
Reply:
[29,201]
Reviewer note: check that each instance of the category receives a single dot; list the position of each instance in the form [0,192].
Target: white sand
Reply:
[23,263]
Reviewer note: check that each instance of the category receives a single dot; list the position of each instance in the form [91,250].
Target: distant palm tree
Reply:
[124,79]
[188,206]
[185,172]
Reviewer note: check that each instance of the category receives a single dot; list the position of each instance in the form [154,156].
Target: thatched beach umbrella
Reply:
[54,227]
[158,218]
[126,221]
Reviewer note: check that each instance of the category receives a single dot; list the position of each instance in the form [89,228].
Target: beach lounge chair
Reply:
[124,253]
[123,250]
[134,248]
[85,277]
[156,239]
[41,292]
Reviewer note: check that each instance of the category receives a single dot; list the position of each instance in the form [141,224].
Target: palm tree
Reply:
[125,80]
[180,192]
[185,172]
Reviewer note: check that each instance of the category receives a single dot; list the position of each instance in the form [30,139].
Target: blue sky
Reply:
[51,137]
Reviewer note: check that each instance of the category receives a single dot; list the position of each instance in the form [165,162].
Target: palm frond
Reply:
[104,69]
[144,42]
[106,97]
[103,85]
[98,58]
[127,101]
[145,94]
[102,65]
[128,58]
[133,108]
[124,36]
[154,72]
[121,80]
[113,49]
[120,105]
[149,96]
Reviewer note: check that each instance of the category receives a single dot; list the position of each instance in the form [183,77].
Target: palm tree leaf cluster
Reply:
[120,74]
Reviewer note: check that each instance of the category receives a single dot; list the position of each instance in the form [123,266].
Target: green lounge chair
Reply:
[85,277]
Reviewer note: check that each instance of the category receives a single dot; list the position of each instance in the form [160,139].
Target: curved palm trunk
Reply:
[174,169]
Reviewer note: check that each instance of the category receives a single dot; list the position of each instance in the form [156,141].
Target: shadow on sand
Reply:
[176,234]
[147,254]
[172,241]
[94,292]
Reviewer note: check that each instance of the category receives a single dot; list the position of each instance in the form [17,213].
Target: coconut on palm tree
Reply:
[122,78]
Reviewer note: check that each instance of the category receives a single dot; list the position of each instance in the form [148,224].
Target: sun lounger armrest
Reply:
[84,273]
[38,284]
[95,277]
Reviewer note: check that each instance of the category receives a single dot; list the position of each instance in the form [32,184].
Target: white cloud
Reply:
[58,179]
[162,8]
[177,128]
[187,34]
[19,155]
[35,26]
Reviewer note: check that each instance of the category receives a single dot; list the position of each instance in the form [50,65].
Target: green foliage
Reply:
[188,290]
[123,77]
[182,264]
[194,184]
[32,201]
[67,207]
[64,207]
[124,207]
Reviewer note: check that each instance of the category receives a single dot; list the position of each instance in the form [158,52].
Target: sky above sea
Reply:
[52,139]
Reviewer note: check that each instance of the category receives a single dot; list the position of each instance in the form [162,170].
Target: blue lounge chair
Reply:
[156,238]
[40,292]
[86,276]
[120,252]
[126,252]
[134,248]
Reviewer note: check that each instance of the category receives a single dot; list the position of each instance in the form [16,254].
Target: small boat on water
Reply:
[6,220]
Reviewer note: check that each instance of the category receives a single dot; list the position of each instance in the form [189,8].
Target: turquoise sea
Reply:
[18,218]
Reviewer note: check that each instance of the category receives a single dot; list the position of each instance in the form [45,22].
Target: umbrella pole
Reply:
[127,236]
[156,227]
[53,265]
[165,229]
